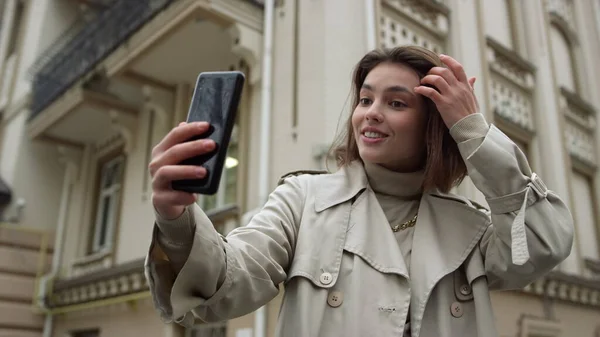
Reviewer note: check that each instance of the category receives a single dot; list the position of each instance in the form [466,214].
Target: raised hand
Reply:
[454,96]
[164,167]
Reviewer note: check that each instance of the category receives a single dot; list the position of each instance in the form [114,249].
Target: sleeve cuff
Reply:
[178,231]
[470,127]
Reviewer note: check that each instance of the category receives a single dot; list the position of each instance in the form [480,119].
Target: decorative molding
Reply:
[534,326]
[126,126]
[580,129]
[565,287]
[511,86]
[592,265]
[151,99]
[101,284]
[92,263]
[429,14]
[510,65]
[394,30]
[562,15]
[242,11]
[247,44]
[94,279]
[71,157]
[512,104]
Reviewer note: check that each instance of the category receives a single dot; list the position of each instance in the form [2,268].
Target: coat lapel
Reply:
[446,231]
[369,233]
[370,236]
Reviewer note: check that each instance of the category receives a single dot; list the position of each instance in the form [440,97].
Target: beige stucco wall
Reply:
[123,320]
[327,49]
[574,320]
[34,173]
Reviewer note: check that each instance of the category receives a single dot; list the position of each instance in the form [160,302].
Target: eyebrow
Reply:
[395,88]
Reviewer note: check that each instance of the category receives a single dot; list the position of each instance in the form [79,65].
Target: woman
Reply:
[380,247]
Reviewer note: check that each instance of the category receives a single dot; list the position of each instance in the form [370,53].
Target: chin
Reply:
[371,157]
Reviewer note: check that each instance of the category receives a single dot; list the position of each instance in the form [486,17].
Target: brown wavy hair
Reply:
[444,166]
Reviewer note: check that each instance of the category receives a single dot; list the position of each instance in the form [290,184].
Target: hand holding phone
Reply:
[190,158]
[216,99]
[164,167]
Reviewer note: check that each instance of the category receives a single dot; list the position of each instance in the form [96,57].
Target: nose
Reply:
[373,113]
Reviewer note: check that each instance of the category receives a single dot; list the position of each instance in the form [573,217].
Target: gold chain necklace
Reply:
[405,225]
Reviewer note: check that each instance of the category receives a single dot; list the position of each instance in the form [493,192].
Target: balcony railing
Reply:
[95,41]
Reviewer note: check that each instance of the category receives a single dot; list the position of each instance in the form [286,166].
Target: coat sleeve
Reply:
[215,278]
[531,228]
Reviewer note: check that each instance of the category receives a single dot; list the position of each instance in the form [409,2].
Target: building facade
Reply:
[88,87]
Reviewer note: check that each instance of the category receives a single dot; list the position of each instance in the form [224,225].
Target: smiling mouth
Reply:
[373,135]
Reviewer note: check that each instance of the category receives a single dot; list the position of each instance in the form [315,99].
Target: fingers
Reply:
[472,82]
[456,68]
[163,177]
[179,152]
[445,73]
[430,93]
[179,134]
[436,81]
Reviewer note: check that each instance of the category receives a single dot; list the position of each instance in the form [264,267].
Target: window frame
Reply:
[94,247]
[220,196]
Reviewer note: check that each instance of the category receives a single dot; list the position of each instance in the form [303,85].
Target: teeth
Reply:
[370,134]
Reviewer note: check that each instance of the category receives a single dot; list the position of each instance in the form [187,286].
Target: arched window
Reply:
[563,59]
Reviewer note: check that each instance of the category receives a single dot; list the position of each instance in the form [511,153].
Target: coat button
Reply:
[326,278]
[465,289]
[335,299]
[456,309]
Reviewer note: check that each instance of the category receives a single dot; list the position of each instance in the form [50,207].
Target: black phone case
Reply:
[215,100]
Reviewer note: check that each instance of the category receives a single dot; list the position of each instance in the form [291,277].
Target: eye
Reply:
[365,101]
[397,104]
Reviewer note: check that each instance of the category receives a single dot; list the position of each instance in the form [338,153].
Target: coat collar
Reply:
[448,228]
[339,187]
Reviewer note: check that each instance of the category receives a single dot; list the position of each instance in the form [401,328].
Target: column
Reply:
[549,120]
[467,45]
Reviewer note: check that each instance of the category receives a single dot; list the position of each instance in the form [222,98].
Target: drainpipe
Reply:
[260,318]
[370,23]
[69,178]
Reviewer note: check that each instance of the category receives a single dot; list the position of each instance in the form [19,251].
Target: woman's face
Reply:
[389,121]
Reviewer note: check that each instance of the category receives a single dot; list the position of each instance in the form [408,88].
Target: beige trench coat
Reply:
[326,238]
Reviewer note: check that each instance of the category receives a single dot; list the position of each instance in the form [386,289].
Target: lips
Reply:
[373,133]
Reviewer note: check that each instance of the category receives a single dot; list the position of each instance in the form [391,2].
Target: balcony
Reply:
[124,282]
[129,58]
[512,80]
[580,130]
[87,48]
[565,287]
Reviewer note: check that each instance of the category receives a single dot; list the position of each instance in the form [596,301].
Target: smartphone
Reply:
[215,100]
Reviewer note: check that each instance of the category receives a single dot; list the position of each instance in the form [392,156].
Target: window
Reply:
[108,201]
[207,330]
[583,214]
[563,59]
[498,22]
[227,193]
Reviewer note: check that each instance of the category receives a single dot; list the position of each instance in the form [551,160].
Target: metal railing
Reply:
[95,41]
